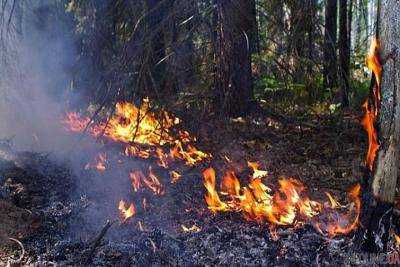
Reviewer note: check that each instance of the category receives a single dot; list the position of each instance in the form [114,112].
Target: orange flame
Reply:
[397,238]
[151,181]
[343,223]
[74,122]
[372,109]
[136,179]
[143,127]
[212,198]
[175,176]
[100,164]
[287,206]
[126,213]
[257,173]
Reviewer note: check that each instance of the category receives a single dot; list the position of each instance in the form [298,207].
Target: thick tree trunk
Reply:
[330,57]
[385,178]
[344,52]
[387,160]
[236,36]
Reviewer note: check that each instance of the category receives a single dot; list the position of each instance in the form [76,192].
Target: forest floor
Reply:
[325,152]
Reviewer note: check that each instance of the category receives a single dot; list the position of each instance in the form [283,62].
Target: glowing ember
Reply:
[372,106]
[193,229]
[287,206]
[100,163]
[175,176]
[125,212]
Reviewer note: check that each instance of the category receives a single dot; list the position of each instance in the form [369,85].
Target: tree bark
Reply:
[344,52]
[385,178]
[298,30]
[387,161]
[236,31]
[330,57]
[157,69]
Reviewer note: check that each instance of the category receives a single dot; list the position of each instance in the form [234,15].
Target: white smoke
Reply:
[34,76]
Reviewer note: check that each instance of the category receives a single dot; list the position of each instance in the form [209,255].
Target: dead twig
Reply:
[96,242]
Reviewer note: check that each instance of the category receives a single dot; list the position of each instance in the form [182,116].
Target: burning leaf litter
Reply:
[154,137]
[289,205]
[145,135]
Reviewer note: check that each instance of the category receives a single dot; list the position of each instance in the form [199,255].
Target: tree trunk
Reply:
[357,30]
[330,57]
[183,46]
[298,30]
[344,52]
[387,159]
[235,34]
[311,31]
[157,69]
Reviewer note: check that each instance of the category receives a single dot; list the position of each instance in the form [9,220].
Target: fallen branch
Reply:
[96,242]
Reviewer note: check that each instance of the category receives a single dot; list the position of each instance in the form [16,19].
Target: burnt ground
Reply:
[57,214]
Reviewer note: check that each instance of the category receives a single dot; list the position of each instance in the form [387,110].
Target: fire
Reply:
[212,198]
[136,179]
[143,132]
[289,205]
[74,122]
[372,107]
[175,176]
[131,124]
[373,61]
[151,181]
[126,213]
[257,173]
[230,184]
[397,238]
[343,223]
[190,155]
[137,152]
[100,165]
